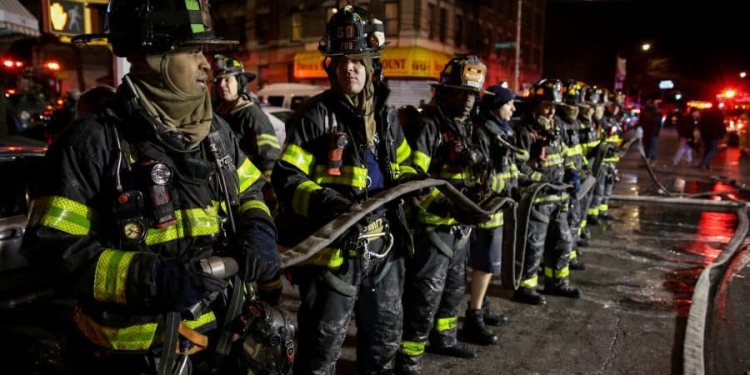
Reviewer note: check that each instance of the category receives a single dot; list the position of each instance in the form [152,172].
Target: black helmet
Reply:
[352,30]
[546,90]
[267,338]
[225,66]
[573,92]
[155,26]
[595,95]
[463,72]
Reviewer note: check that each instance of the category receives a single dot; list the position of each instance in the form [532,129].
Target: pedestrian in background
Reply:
[712,131]
[685,130]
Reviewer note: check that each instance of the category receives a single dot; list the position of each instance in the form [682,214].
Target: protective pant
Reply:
[549,236]
[329,297]
[434,287]
[603,190]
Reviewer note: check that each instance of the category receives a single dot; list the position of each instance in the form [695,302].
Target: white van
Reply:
[288,95]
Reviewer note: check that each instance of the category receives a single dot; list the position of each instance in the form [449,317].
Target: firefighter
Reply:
[436,276]
[233,103]
[145,198]
[254,132]
[571,114]
[494,139]
[544,158]
[342,147]
[608,177]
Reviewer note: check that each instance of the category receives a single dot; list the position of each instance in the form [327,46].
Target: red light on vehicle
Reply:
[729,93]
[52,65]
[10,91]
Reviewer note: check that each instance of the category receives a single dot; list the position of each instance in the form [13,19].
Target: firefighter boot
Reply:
[529,296]
[592,220]
[458,350]
[490,318]
[408,364]
[575,261]
[475,331]
[561,287]
[608,216]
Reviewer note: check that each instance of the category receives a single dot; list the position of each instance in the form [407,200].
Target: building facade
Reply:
[279,39]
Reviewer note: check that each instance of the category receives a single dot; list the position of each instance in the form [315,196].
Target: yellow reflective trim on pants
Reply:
[111,274]
[328,257]
[603,207]
[594,211]
[254,204]
[444,324]
[298,157]
[573,254]
[63,214]
[247,175]
[403,152]
[192,222]
[496,221]
[268,140]
[530,283]
[411,348]
[136,337]
[301,197]
[549,272]
[350,176]
[421,160]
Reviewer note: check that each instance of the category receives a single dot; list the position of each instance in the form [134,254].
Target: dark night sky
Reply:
[707,42]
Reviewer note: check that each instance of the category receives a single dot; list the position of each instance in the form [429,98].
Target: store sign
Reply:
[411,62]
[65,17]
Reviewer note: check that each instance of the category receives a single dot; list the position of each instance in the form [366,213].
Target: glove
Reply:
[466,216]
[262,257]
[181,285]
[332,205]
[574,178]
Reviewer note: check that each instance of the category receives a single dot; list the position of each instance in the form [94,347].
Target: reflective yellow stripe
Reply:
[573,254]
[553,160]
[575,150]
[603,207]
[444,324]
[328,257]
[254,204]
[411,348]
[61,213]
[247,175]
[556,274]
[298,157]
[446,174]
[523,156]
[424,216]
[530,283]
[402,170]
[110,275]
[132,338]
[421,160]
[496,221]
[350,176]
[268,140]
[301,197]
[552,198]
[594,211]
[403,152]
[192,222]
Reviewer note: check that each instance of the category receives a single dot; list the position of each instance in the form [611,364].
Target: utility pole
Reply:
[517,73]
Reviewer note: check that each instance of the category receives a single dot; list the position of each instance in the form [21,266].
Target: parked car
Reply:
[278,117]
[21,166]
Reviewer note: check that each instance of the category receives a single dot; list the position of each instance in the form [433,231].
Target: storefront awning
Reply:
[398,62]
[16,20]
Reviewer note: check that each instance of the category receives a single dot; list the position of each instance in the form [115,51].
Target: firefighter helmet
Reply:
[155,26]
[573,92]
[267,338]
[352,30]
[225,66]
[546,90]
[594,95]
[463,72]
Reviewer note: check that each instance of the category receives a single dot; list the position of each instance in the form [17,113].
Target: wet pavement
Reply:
[637,290]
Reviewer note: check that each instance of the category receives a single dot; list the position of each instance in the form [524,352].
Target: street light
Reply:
[743,74]
[645,46]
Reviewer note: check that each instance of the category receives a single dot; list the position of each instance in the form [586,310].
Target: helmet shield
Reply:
[156,26]
[547,90]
